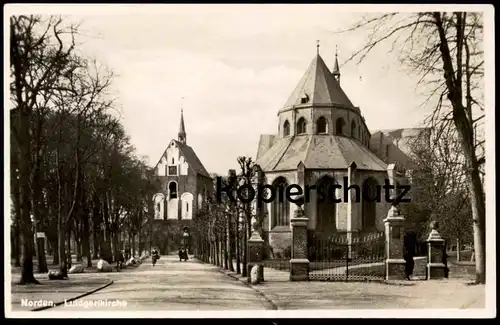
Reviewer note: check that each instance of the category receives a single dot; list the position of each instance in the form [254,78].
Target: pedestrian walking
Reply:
[120,261]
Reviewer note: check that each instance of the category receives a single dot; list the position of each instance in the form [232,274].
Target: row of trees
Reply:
[74,173]
[445,50]
[225,226]
[439,188]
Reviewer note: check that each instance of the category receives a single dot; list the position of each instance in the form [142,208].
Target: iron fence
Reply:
[348,257]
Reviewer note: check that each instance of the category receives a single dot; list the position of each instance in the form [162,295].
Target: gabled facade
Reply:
[185,185]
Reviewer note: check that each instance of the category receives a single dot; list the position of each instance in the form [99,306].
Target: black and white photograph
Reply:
[249,161]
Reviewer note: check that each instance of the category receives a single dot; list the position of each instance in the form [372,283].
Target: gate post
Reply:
[299,263]
[435,254]
[394,263]
[255,251]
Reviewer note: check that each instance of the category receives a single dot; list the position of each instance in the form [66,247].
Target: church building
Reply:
[185,185]
[322,139]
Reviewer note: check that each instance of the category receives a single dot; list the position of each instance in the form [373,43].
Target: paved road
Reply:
[173,285]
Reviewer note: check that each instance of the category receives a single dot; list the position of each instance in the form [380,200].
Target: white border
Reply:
[489,41]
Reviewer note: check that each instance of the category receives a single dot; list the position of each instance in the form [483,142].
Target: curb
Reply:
[273,305]
[74,298]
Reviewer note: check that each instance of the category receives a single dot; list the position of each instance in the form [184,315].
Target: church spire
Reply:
[336,70]
[182,129]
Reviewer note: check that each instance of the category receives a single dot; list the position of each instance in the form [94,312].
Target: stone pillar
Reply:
[435,250]
[255,251]
[394,242]
[299,264]
[351,207]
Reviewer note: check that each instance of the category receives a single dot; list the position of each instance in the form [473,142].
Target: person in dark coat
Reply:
[121,260]
[408,254]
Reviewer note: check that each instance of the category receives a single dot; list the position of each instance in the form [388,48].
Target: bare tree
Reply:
[38,58]
[439,187]
[445,50]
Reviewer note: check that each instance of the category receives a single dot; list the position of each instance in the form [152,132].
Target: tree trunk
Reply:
[63,266]
[458,249]
[115,246]
[478,215]
[78,249]
[70,255]
[24,202]
[35,206]
[245,256]
[465,130]
[225,248]
[95,242]
[238,249]
[55,250]
[133,244]
[16,249]
[217,251]
[229,237]
[17,243]
[86,238]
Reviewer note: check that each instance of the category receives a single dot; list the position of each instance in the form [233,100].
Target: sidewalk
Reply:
[448,293]
[53,291]
[172,285]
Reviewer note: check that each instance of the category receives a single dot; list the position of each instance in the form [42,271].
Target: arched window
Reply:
[301,126]
[339,126]
[286,129]
[280,207]
[172,190]
[187,202]
[353,129]
[158,199]
[322,125]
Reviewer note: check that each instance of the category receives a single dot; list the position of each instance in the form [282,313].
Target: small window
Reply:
[322,125]
[353,129]
[187,207]
[286,129]
[301,126]
[172,170]
[304,99]
[172,189]
[173,161]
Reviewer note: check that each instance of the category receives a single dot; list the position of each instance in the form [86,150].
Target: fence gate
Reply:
[340,258]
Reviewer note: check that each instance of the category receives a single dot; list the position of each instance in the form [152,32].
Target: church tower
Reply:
[181,136]
[183,185]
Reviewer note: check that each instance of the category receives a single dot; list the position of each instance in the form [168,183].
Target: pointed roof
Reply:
[190,157]
[336,69]
[319,152]
[320,86]
[182,128]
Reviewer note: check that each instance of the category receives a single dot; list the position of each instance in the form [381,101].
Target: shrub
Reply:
[287,252]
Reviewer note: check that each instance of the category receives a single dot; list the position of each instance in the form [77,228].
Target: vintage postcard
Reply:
[240,161]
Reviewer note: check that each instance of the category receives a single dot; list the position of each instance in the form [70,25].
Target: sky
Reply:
[235,66]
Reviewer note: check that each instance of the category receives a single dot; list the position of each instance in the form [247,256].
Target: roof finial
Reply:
[182,128]
[336,69]
[317,46]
